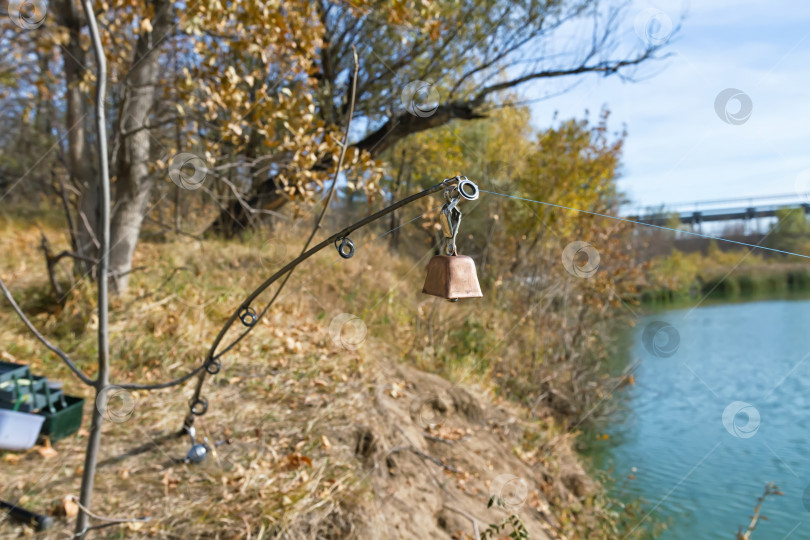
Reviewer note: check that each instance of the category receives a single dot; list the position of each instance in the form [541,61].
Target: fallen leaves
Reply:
[67,507]
[292,345]
[12,458]
[447,433]
[169,480]
[46,450]
[396,390]
[295,461]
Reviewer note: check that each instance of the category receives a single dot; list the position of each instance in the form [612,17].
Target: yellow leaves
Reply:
[254,70]
[60,35]
[434,29]
[230,74]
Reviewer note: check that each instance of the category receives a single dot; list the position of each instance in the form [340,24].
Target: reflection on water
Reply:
[721,407]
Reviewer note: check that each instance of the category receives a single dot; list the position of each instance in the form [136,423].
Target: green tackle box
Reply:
[65,421]
[29,394]
[9,374]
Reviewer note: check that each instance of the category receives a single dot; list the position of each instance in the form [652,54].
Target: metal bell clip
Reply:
[453,276]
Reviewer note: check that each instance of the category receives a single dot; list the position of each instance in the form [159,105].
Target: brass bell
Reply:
[453,276]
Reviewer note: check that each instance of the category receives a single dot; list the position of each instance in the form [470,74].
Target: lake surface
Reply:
[720,407]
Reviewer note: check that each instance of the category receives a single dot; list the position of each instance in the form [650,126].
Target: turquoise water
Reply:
[720,407]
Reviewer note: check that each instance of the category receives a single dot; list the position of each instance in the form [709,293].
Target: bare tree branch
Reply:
[53,348]
[606,67]
[109,520]
[343,145]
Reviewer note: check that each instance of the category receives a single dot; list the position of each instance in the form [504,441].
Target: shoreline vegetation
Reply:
[735,275]
[718,271]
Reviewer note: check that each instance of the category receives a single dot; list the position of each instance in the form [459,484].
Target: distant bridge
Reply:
[697,212]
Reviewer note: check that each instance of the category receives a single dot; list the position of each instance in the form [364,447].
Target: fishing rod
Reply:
[455,188]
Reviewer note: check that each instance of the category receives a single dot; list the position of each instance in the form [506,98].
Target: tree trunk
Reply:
[394,238]
[133,182]
[78,155]
[234,218]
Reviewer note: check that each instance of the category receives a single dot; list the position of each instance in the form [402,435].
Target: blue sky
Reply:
[678,149]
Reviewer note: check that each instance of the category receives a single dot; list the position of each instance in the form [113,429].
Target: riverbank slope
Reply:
[333,431]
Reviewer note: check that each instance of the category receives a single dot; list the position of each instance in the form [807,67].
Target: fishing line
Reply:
[616,218]
[408,222]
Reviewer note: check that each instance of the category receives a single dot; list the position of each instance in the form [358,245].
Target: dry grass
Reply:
[278,394]
[295,404]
